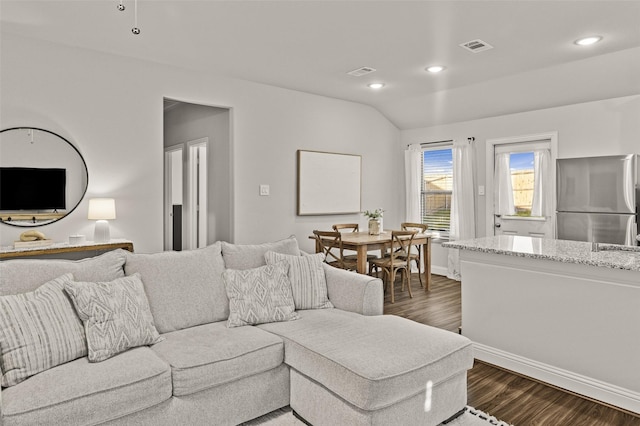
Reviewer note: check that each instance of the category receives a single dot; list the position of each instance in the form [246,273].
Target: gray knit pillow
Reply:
[38,330]
[259,295]
[308,283]
[115,314]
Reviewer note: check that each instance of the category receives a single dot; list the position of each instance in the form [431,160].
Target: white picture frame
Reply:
[328,183]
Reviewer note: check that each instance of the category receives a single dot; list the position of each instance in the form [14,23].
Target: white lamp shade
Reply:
[102,209]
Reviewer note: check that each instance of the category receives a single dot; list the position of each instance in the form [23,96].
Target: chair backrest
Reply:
[412,226]
[408,226]
[330,242]
[401,242]
[348,227]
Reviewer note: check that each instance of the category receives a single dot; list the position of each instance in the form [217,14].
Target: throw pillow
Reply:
[308,283]
[115,314]
[248,256]
[259,295]
[38,330]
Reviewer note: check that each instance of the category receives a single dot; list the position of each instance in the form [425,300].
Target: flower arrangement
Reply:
[374,214]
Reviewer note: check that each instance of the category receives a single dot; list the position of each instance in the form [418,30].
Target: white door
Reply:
[522,186]
[197,189]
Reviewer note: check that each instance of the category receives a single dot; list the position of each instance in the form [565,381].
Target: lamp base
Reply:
[101,234]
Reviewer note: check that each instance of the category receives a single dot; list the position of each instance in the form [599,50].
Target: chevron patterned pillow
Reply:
[259,295]
[115,314]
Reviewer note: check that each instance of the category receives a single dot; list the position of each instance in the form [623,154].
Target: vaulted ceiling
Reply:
[311,45]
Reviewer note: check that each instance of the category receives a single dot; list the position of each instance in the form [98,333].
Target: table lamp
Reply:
[101,210]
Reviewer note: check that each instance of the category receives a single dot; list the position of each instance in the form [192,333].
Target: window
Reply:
[436,189]
[522,182]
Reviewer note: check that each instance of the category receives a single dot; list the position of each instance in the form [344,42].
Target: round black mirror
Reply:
[43,177]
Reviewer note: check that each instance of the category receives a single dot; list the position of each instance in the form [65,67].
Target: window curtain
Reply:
[463,218]
[413,177]
[503,187]
[542,191]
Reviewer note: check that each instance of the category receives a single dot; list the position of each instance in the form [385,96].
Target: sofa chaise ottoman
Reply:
[343,363]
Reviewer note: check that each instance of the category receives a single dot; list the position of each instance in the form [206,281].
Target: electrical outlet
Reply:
[481,190]
[264,190]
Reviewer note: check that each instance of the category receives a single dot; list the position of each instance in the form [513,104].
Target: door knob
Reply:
[497,225]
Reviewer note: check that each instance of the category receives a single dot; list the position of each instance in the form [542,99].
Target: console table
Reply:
[87,249]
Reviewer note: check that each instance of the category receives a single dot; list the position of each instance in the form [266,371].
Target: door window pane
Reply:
[522,181]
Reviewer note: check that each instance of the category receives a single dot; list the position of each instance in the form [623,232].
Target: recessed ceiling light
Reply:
[376,85]
[587,41]
[435,68]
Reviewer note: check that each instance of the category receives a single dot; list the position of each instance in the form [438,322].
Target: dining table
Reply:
[362,242]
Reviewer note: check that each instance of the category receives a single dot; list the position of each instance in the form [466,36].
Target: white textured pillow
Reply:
[115,314]
[308,283]
[259,295]
[248,256]
[38,330]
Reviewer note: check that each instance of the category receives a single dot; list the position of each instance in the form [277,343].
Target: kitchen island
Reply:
[556,311]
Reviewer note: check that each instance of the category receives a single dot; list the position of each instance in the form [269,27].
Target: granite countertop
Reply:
[610,255]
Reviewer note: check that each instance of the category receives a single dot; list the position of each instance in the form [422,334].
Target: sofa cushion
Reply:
[308,283]
[115,314]
[212,354]
[248,256]
[89,393]
[38,330]
[23,275]
[259,295]
[184,288]
[371,361]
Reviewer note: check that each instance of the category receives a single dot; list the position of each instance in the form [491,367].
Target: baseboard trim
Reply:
[626,399]
[438,270]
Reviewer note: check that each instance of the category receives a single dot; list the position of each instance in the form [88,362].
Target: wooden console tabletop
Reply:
[58,248]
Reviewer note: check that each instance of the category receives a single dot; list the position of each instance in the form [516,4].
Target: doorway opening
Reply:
[197,175]
[521,185]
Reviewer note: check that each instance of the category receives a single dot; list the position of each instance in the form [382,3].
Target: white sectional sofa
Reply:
[345,364]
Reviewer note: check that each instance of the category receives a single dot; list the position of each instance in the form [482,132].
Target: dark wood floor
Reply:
[503,394]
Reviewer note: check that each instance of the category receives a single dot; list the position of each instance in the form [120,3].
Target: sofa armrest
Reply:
[354,292]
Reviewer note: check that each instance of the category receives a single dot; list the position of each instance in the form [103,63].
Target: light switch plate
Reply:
[264,189]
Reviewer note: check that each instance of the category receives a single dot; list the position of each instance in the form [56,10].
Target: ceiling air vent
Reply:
[476,46]
[361,71]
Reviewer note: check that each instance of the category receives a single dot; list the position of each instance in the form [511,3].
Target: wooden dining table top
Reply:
[364,238]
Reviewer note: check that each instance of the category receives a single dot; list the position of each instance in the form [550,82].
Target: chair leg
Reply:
[418,262]
[392,278]
[407,276]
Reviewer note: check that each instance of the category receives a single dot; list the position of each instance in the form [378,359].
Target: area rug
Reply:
[470,417]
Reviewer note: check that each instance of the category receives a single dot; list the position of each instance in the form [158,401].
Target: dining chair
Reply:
[397,260]
[330,243]
[417,255]
[353,227]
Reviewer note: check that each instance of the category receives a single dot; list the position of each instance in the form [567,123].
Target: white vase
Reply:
[374,226]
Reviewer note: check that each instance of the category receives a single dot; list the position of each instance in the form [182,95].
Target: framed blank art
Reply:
[328,183]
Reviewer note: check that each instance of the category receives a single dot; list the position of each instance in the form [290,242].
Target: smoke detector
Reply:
[476,46]
[361,71]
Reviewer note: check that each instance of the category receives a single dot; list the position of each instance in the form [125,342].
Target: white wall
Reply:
[606,127]
[111,108]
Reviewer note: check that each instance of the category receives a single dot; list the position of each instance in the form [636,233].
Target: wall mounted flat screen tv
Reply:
[25,188]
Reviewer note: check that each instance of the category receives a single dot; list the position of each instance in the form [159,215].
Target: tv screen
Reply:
[24,188]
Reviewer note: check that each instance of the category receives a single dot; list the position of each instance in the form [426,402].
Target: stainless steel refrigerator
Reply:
[598,199]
